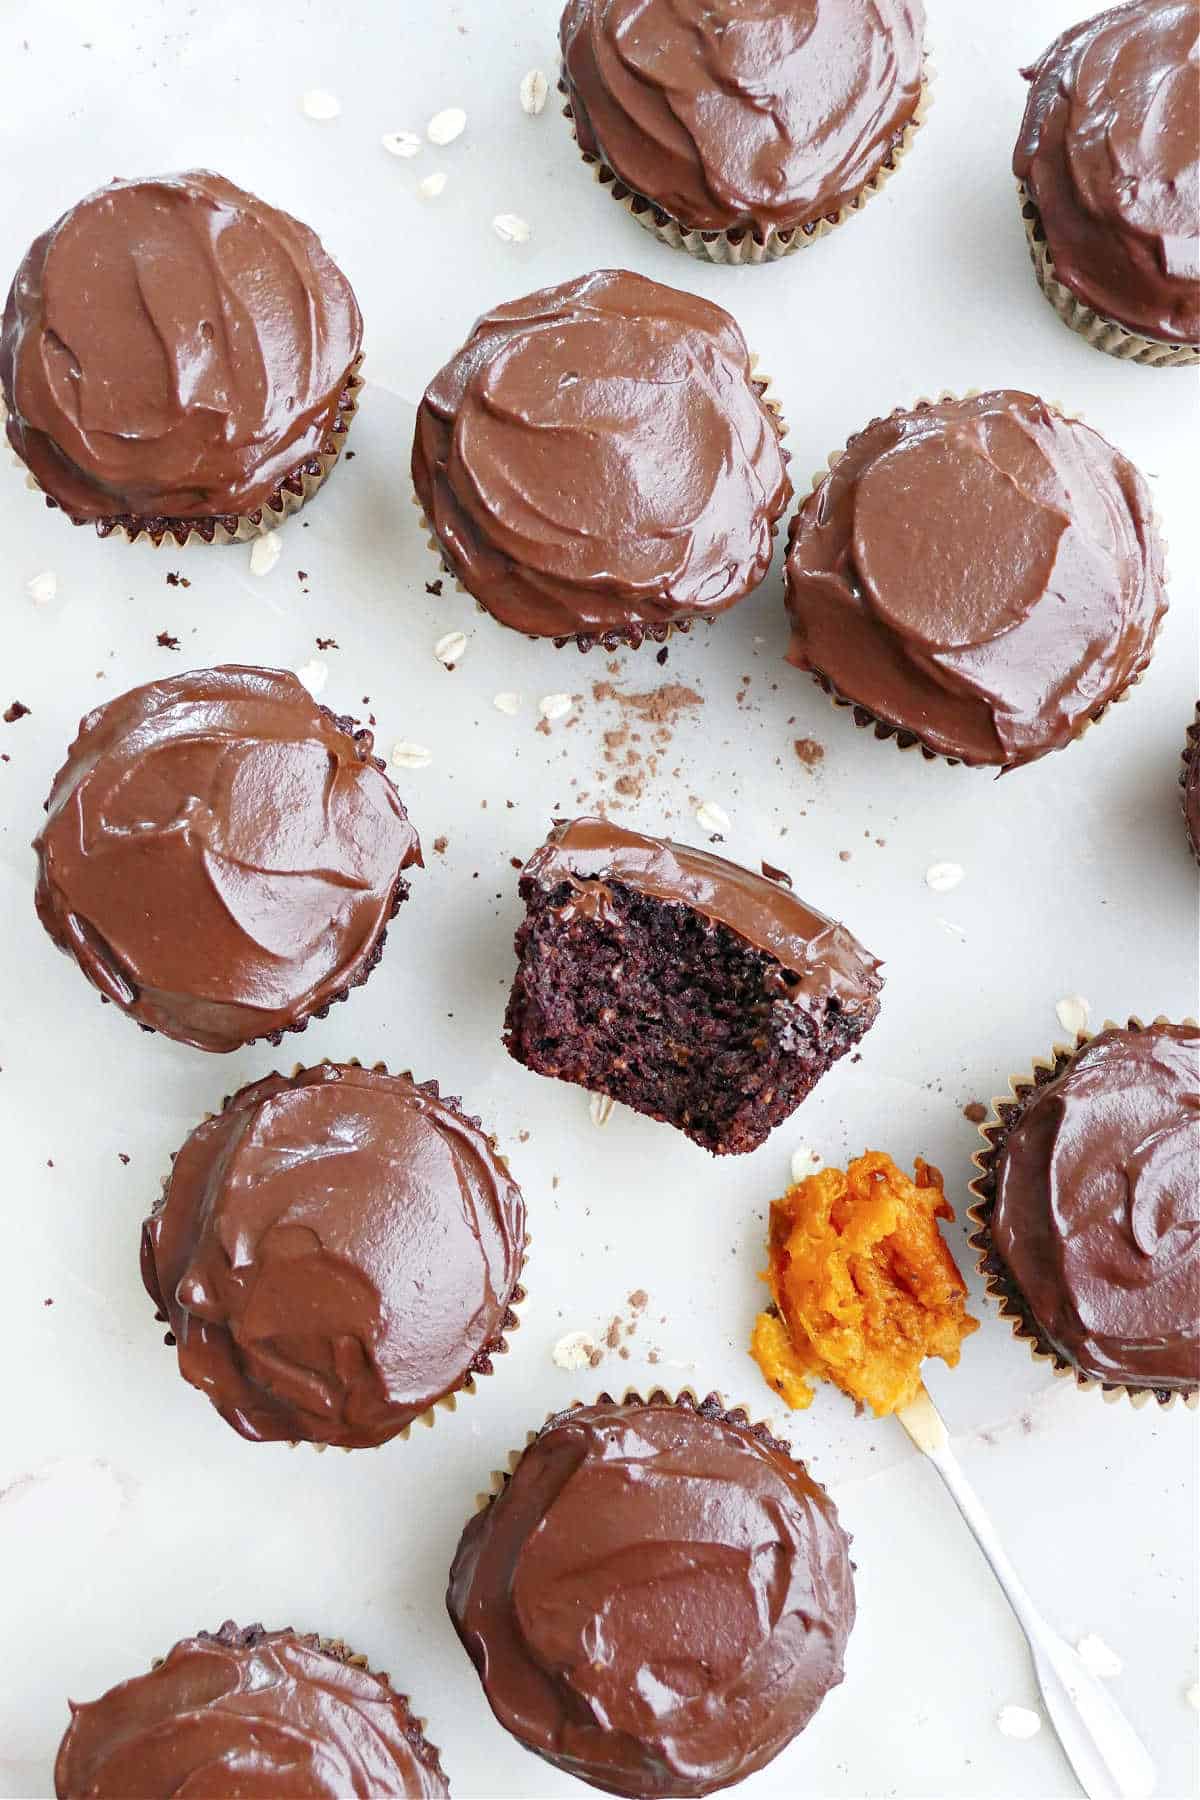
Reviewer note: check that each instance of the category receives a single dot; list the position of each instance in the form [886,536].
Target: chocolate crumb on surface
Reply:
[441,844]
[176,580]
[809,751]
[328,644]
[434,588]
[122,1157]
[976,1111]
[167,641]
[18,710]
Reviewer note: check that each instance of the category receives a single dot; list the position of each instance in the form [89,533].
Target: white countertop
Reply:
[130,1514]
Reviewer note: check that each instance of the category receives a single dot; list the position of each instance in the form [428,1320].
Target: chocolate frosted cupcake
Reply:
[1189,781]
[598,462]
[658,1598]
[980,577]
[178,358]
[222,856]
[379,1242]
[1088,1210]
[680,984]
[1106,164]
[247,1711]
[741,133]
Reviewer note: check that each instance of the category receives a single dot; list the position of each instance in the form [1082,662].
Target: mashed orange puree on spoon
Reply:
[863,1286]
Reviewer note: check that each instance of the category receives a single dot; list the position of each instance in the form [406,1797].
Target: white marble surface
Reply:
[130,1514]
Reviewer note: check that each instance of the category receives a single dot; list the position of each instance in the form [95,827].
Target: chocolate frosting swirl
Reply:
[597,458]
[222,856]
[249,1715]
[743,114]
[984,574]
[658,1600]
[1109,152]
[174,347]
[1097,1212]
[823,959]
[334,1253]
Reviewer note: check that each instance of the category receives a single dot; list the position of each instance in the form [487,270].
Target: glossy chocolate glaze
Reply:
[174,348]
[824,960]
[735,115]
[221,856]
[597,458]
[984,574]
[1097,1207]
[243,1713]
[334,1252]
[658,1600]
[1108,155]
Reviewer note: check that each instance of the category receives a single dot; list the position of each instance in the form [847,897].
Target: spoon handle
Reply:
[1109,1759]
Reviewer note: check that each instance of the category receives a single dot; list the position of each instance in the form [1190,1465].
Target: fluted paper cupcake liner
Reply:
[481,1363]
[711,1406]
[630,637]
[1190,755]
[292,493]
[233,1634]
[1002,1290]
[1105,334]
[741,248]
[903,736]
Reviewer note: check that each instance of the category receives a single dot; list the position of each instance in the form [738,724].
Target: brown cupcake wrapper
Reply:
[741,248]
[292,493]
[1002,1290]
[1105,334]
[712,1405]
[231,1633]
[631,637]
[1188,756]
[481,1363]
[903,736]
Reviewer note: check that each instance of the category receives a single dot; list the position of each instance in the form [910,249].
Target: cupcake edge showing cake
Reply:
[873,639]
[154,390]
[265,751]
[1114,1240]
[1108,235]
[802,985]
[1189,782]
[383,1341]
[754,1661]
[262,1702]
[598,462]
[732,181]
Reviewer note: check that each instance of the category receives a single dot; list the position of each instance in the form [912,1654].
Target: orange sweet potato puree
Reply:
[863,1286]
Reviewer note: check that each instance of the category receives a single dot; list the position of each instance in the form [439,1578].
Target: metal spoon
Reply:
[1109,1759]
